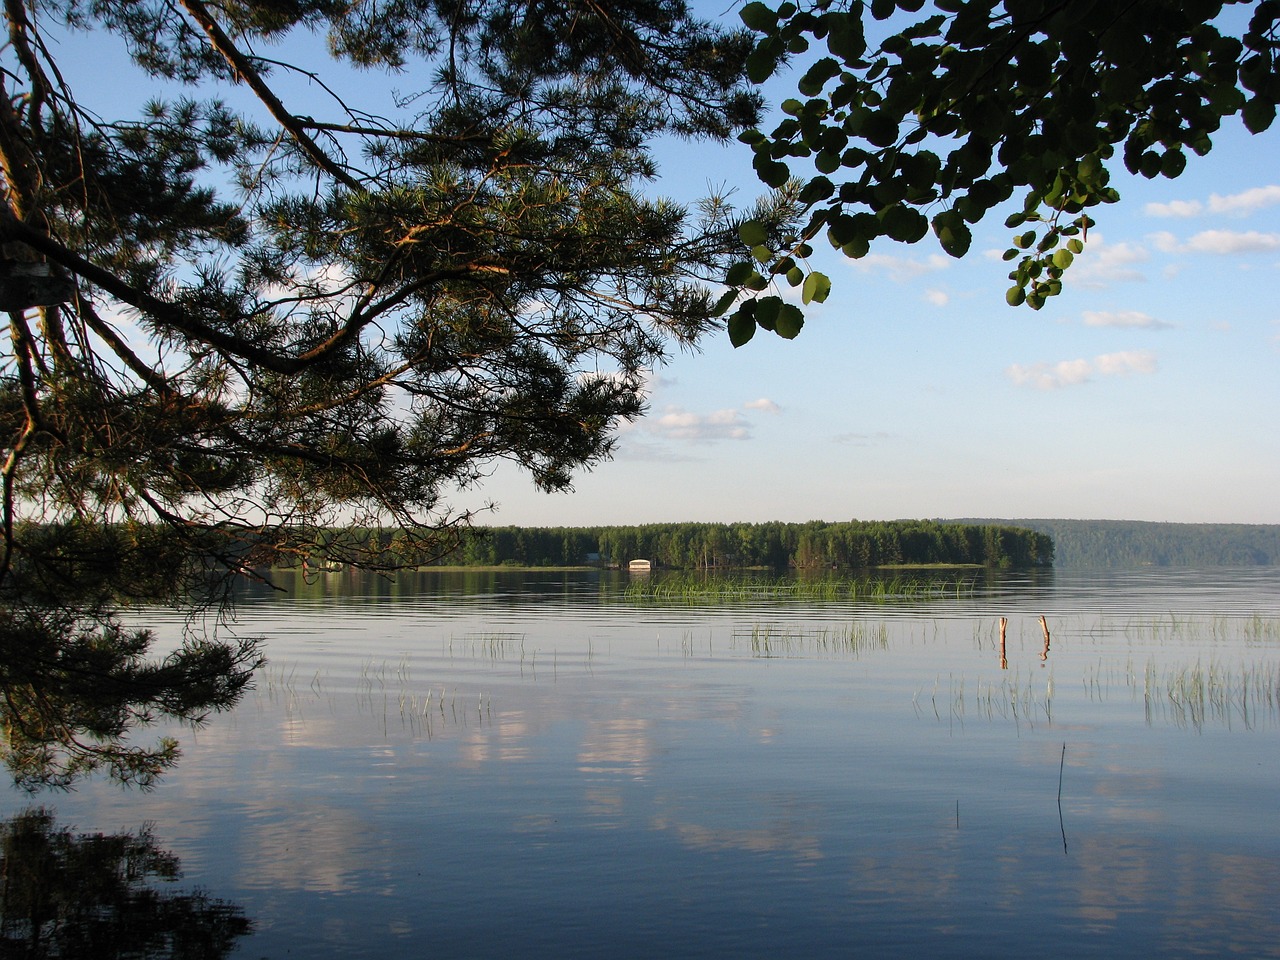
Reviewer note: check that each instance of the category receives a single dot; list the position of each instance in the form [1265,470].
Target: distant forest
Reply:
[1133,543]
[804,545]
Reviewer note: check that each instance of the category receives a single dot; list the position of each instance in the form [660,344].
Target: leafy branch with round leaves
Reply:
[963,105]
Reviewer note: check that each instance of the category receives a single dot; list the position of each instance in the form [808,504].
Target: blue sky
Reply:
[1147,391]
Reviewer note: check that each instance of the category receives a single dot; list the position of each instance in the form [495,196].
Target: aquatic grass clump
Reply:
[1022,698]
[847,642]
[1171,627]
[1194,694]
[690,588]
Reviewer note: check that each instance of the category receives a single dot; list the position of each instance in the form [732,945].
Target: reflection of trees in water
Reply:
[72,896]
[74,685]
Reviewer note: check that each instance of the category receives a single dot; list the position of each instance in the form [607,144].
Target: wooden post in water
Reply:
[1044,625]
[1004,660]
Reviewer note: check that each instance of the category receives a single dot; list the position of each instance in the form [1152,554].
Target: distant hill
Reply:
[1136,543]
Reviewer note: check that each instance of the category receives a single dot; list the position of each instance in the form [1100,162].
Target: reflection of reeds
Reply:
[375,695]
[1192,695]
[1022,699]
[718,589]
[1253,629]
[851,640]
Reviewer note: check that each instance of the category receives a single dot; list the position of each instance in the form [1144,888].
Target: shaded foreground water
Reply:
[545,765]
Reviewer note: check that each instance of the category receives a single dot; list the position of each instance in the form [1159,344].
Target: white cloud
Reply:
[1049,376]
[1102,263]
[939,298]
[680,424]
[1070,373]
[901,269]
[1236,204]
[677,423]
[1247,201]
[1221,242]
[861,439]
[1229,241]
[1175,208]
[1123,318]
[1128,361]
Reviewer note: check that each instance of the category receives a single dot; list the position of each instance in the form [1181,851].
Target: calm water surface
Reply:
[533,765]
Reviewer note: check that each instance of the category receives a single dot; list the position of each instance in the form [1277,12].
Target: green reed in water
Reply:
[693,588]
[1170,627]
[1021,698]
[1194,694]
[849,641]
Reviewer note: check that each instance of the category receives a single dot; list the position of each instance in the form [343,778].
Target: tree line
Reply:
[1133,543]
[855,543]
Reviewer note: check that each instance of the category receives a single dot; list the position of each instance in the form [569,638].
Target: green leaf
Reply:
[817,286]
[1259,114]
[826,161]
[880,129]
[846,38]
[742,324]
[1172,163]
[1062,259]
[762,253]
[752,233]
[727,300]
[795,276]
[790,320]
[905,224]
[953,233]
[767,309]
[819,188]
[816,76]
[739,273]
[757,16]
[763,60]
[772,173]
[1015,296]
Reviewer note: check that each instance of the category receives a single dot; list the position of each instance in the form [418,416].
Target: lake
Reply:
[573,764]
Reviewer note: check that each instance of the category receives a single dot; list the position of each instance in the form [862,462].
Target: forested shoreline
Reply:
[1139,543]
[852,544]
[1115,544]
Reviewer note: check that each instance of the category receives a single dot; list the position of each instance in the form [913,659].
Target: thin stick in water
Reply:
[1061,825]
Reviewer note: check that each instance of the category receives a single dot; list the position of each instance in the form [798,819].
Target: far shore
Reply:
[522,568]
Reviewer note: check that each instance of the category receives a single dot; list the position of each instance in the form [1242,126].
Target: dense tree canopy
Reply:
[234,321]
[816,544]
[916,118]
